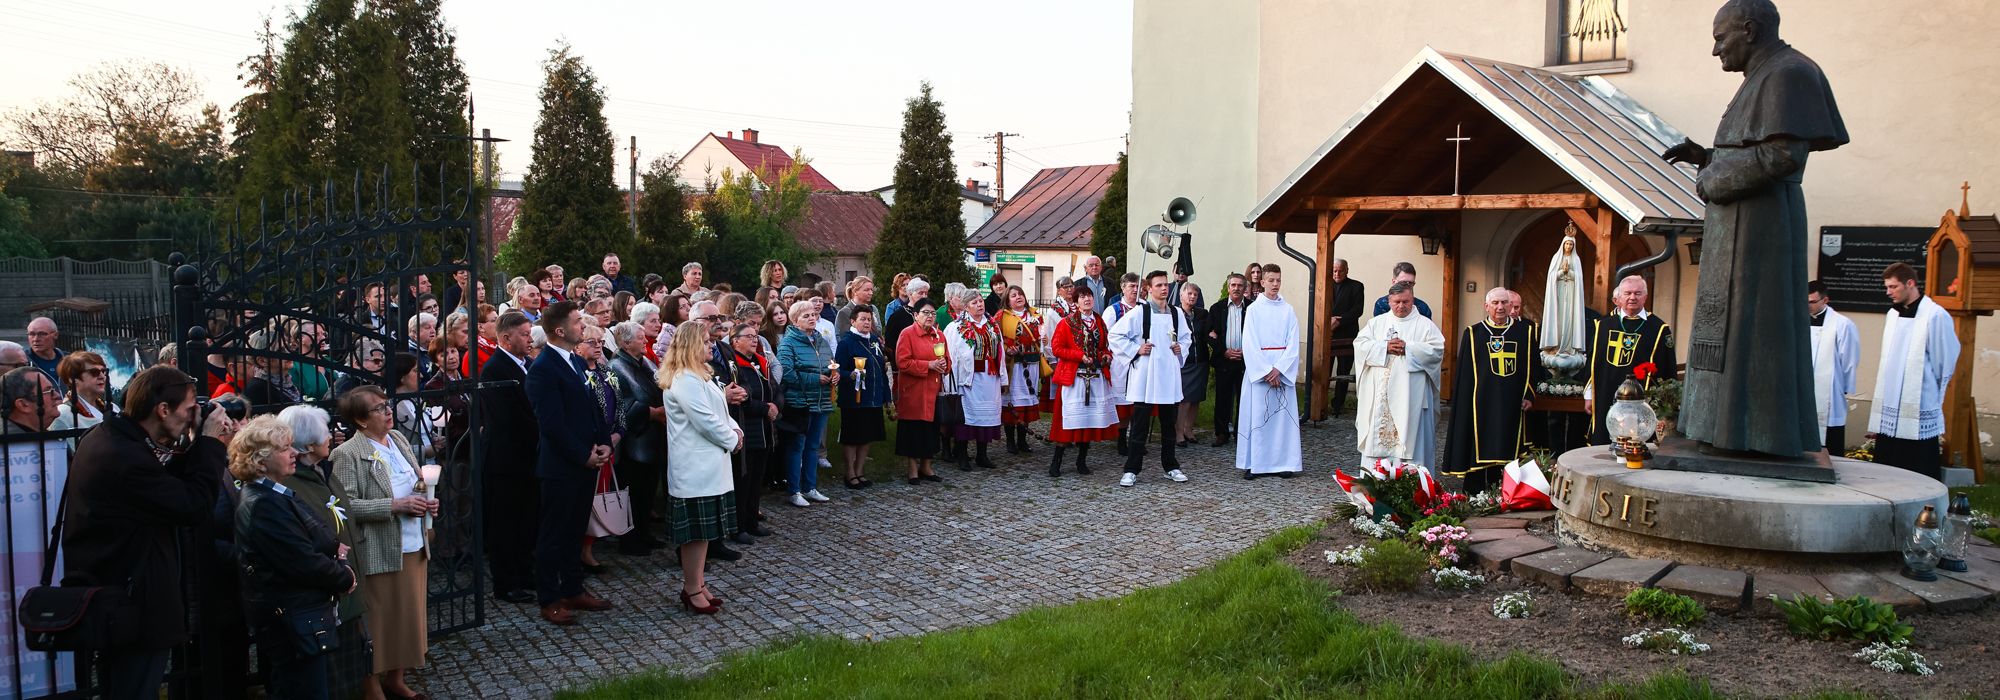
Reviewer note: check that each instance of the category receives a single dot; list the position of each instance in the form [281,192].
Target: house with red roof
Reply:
[705,162]
[1043,232]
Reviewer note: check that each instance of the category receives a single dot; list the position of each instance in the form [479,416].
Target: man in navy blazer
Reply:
[575,443]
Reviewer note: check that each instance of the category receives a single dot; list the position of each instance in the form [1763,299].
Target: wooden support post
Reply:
[1448,321]
[1330,225]
[1600,269]
[1961,418]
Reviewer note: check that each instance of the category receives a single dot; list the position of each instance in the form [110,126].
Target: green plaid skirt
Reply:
[704,518]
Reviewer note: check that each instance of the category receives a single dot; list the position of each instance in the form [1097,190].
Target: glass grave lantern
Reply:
[1957,534]
[1631,422]
[1921,550]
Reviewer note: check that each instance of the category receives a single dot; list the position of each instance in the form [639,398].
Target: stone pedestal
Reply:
[1732,520]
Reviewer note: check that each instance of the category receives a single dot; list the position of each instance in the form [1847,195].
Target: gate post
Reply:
[189,328]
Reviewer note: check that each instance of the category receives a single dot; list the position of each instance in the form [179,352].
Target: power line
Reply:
[136,195]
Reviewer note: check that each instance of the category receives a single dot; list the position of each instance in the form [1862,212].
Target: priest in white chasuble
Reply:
[1491,394]
[1919,355]
[1836,355]
[1267,417]
[1401,354]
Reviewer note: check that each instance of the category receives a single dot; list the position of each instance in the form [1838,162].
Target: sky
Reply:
[826,77]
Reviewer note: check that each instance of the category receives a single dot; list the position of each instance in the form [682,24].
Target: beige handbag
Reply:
[611,508]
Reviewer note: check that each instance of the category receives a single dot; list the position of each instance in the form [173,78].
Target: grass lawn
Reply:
[1249,626]
[1986,498]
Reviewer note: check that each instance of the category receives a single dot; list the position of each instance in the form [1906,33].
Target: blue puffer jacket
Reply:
[805,357]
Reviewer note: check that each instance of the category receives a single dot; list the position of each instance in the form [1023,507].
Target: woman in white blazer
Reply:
[700,436]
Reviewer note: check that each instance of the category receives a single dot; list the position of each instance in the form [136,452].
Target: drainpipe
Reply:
[1673,234]
[1312,299]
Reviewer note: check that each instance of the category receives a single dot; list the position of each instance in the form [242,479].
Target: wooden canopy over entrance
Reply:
[1446,124]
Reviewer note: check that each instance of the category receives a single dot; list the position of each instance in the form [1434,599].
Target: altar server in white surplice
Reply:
[1836,353]
[1127,300]
[1919,354]
[1267,415]
[1400,354]
[1151,342]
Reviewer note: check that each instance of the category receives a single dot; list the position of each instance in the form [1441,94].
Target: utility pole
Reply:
[999,139]
[632,193]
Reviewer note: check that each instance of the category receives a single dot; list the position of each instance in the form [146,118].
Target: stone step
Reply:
[1980,572]
[1944,595]
[1785,586]
[1617,577]
[1478,536]
[1494,555]
[1852,583]
[1495,523]
[1533,516]
[1719,590]
[1553,568]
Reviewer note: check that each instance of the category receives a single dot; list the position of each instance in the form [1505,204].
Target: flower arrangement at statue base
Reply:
[1666,640]
[1865,452]
[1554,388]
[1896,658]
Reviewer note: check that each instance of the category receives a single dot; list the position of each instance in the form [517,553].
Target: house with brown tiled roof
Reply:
[843,226]
[1043,232]
[714,154]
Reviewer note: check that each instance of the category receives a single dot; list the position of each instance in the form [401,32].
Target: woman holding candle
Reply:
[921,366]
[977,359]
[1021,338]
[864,388]
[392,508]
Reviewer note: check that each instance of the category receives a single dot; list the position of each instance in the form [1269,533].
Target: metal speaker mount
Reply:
[1158,240]
[1180,212]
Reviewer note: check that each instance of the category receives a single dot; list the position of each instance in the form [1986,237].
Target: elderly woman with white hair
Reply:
[978,370]
[647,315]
[901,312]
[293,570]
[351,664]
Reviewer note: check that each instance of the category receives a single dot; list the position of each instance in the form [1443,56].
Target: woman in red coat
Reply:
[921,366]
[1084,410]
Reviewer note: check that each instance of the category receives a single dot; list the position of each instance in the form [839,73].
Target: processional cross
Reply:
[1457,140]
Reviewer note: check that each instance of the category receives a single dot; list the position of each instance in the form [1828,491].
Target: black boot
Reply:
[1007,431]
[1082,451]
[983,462]
[1055,463]
[958,453]
[1024,440]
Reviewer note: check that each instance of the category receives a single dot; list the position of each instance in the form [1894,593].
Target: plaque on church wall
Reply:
[1851,259]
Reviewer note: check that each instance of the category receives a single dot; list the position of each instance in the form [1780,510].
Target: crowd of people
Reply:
[310,496]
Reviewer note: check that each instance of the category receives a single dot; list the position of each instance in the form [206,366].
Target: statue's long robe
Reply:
[1750,381]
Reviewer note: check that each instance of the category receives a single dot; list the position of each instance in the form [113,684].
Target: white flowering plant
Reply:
[1442,543]
[1896,658]
[1666,640]
[1484,503]
[1383,530]
[1514,606]
[1352,555]
[1451,579]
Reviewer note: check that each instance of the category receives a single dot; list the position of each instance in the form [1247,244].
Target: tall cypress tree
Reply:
[433,83]
[1107,230]
[571,211]
[924,233]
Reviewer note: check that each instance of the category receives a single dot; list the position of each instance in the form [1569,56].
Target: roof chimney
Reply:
[750,135]
[731,135]
[971,185]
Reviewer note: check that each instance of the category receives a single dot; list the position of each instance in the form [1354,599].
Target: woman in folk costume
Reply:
[977,361]
[1021,338]
[1085,412]
[1064,304]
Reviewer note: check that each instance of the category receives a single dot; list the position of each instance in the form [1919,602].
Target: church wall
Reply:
[1913,82]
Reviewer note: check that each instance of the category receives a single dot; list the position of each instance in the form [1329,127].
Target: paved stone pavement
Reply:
[896,560]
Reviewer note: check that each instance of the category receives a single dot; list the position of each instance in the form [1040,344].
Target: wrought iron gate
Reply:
[287,291]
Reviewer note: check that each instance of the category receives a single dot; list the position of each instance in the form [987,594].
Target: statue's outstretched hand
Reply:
[1687,151]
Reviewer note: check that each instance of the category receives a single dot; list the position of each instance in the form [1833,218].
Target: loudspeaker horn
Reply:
[1158,240]
[1180,212]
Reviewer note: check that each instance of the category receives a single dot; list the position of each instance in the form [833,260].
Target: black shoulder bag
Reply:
[76,618]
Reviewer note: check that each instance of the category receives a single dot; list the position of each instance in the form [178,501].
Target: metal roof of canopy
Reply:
[1603,139]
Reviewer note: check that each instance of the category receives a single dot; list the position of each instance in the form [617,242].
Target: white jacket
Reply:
[700,436]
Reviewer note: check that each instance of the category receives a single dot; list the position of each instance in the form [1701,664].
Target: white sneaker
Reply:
[815,496]
[1176,475]
[823,464]
[1128,479]
[799,501]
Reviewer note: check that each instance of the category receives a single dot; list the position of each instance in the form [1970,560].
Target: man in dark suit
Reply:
[507,464]
[576,442]
[1348,295]
[1226,354]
